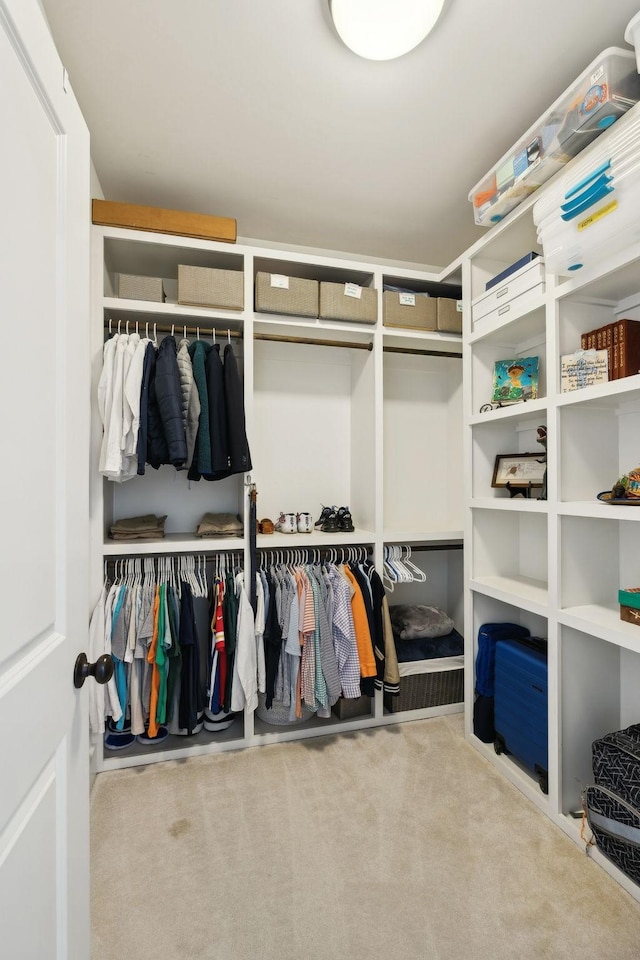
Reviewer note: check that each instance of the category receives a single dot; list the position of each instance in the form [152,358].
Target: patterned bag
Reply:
[616,763]
[615,826]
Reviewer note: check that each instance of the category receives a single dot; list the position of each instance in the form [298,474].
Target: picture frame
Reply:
[515,380]
[519,470]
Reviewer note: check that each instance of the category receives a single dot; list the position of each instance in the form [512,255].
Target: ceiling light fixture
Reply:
[384,29]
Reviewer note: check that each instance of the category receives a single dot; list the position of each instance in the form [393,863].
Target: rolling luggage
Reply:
[612,805]
[483,707]
[521,704]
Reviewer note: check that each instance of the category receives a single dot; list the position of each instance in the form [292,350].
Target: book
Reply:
[628,347]
[584,368]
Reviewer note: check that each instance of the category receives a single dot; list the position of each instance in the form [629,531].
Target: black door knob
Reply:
[102,669]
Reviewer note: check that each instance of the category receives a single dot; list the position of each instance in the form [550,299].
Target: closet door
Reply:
[44,398]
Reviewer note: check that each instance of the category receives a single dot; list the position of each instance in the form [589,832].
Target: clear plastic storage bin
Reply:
[608,87]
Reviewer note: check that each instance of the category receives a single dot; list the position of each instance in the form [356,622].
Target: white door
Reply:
[44,463]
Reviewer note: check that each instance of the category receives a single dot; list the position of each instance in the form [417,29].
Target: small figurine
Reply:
[542,439]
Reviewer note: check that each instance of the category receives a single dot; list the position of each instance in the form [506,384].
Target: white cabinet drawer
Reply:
[515,307]
[529,278]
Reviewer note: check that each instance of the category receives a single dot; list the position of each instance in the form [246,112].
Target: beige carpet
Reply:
[400,843]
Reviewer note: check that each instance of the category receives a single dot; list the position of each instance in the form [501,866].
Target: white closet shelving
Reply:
[555,566]
[346,413]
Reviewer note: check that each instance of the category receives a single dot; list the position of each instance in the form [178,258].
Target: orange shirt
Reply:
[361,625]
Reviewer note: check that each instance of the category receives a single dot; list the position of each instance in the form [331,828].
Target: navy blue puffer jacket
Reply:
[168,395]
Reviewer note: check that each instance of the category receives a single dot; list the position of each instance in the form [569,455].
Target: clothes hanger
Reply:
[418,574]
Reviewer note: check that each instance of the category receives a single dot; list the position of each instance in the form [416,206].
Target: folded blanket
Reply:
[429,648]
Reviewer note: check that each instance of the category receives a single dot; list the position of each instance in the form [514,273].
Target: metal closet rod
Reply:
[280,338]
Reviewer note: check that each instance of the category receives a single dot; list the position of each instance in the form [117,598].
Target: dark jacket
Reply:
[157,452]
[169,397]
[217,415]
[148,368]
[198,351]
[239,456]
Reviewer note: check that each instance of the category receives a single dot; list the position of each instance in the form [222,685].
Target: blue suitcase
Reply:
[521,704]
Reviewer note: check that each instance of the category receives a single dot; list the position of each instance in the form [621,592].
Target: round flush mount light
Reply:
[384,29]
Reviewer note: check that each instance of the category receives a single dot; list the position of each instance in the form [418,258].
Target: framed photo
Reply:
[519,469]
[515,380]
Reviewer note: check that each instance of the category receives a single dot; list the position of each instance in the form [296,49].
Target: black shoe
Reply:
[323,516]
[330,524]
[345,520]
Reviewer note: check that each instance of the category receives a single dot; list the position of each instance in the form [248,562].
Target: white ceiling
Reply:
[254,109]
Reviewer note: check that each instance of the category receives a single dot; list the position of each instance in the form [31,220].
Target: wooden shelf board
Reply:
[519,504]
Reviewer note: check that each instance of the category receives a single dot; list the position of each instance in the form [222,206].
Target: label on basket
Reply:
[459,306]
[598,215]
[407,299]
[353,290]
[279,280]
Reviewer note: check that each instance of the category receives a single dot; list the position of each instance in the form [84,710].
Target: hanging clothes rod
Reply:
[429,547]
[196,331]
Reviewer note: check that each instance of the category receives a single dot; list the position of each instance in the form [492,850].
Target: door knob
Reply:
[102,669]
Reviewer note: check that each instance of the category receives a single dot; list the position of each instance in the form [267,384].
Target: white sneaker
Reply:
[304,522]
[286,523]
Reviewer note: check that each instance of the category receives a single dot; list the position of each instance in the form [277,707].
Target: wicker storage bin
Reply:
[345,708]
[412,311]
[208,287]
[291,296]
[449,317]
[338,303]
[131,287]
[431,689]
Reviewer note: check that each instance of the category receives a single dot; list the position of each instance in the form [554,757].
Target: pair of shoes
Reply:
[294,523]
[336,520]
[265,526]
[324,516]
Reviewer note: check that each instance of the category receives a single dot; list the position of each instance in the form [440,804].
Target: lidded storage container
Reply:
[608,87]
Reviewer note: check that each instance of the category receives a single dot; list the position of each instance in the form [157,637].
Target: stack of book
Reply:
[621,340]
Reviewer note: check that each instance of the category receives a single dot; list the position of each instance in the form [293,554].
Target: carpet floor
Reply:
[399,843]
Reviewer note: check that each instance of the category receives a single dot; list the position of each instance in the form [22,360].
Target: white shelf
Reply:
[603,622]
[517,504]
[141,309]
[615,278]
[528,324]
[173,543]
[303,541]
[532,595]
[605,395]
[597,510]
[422,536]
[531,410]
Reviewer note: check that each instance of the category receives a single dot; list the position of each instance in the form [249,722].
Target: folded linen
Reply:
[147,527]
[220,525]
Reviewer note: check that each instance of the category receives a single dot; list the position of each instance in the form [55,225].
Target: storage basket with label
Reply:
[291,296]
[412,311]
[348,301]
[210,287]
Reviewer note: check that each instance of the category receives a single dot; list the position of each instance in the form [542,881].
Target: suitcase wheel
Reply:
[543,779]
[499,745]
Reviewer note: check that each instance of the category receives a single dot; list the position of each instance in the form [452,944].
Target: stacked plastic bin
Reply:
[603,92]
[591,211]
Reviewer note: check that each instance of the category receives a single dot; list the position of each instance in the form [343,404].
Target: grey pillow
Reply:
[410,622]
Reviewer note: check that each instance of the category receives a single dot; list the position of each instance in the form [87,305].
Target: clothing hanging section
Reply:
[171,403]
[181,633]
